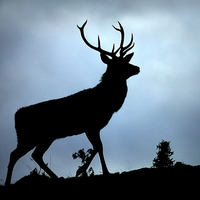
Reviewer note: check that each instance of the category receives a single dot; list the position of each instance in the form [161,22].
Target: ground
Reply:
[175,182]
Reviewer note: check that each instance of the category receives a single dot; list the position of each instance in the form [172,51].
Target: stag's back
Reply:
[72,115]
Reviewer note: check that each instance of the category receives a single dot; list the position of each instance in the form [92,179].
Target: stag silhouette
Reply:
[88,111]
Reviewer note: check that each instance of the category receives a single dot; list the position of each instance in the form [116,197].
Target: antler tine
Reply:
[130,43]
[99,43]
[113,49]
[124,53]
[91,46]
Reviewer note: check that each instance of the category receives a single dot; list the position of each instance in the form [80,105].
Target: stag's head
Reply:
[117,66]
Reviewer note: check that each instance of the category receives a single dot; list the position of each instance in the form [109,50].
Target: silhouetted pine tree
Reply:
[164,153]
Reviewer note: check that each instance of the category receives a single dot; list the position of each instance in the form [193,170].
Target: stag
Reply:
[87,111]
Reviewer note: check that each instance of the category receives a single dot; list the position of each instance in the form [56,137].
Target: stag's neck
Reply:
[114,92]
[114,85]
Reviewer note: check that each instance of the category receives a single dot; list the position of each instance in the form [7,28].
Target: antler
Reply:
[99,49]
[123,50]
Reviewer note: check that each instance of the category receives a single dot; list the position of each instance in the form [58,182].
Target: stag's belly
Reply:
[75,124]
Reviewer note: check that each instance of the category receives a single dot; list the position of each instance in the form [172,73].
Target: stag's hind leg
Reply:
[37,155]
[15,155]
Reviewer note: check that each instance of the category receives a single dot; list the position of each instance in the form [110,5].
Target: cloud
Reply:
[42,57]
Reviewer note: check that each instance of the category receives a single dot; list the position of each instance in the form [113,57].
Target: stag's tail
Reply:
[20,124]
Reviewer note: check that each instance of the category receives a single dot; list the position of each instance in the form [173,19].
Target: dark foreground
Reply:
[180,181]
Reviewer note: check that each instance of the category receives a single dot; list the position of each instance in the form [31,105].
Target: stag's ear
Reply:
[128,57]
[105,59]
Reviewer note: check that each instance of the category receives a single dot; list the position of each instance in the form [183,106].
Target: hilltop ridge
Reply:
[179,180]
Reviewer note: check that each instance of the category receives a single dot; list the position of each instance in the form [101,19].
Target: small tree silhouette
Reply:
[164,153]
[84,157]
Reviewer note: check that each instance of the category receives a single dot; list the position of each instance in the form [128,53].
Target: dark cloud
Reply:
[43,57]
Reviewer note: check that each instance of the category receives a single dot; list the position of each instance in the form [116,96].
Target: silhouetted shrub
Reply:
[84,157]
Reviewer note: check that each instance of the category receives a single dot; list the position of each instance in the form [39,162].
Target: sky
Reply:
[43,57]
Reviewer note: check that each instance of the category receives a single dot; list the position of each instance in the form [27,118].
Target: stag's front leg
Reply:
[94,138]
[103,163]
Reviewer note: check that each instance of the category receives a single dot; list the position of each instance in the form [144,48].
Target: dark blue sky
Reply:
[42,57]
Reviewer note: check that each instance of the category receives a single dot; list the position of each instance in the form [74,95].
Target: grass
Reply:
[178,181]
